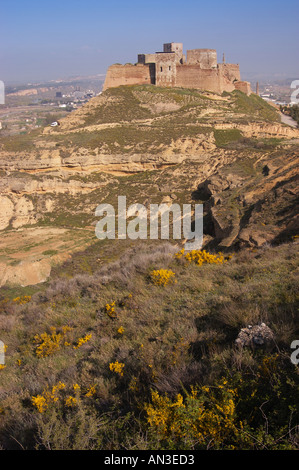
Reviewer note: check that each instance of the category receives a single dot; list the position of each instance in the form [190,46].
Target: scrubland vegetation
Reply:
[141,354]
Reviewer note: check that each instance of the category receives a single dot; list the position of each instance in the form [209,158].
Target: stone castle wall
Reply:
[127,75]
[190,76]
[229,74]
[243,86]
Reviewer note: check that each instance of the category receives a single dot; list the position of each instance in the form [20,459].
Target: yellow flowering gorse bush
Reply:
[200,257]
[82,341]
[70,401]
[43,401]
[203,416]
[110,309]
[52,396]
[162,277]
[91,391]
[48,344]
[24,299]
[117,367]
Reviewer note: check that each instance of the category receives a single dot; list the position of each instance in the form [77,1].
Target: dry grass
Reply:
[166,337]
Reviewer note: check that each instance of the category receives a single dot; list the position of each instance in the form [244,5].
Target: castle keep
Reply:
[171,68]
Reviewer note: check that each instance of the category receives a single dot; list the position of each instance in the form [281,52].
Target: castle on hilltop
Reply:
[171,68]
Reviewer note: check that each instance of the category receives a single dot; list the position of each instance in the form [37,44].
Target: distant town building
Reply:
[78,95]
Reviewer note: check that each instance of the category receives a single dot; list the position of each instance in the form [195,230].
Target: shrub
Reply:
[201,257]
[42,402]
[48,344]
[162,277]
[110,310]
[82,341]
[22,300]
[117,367]
[204,418]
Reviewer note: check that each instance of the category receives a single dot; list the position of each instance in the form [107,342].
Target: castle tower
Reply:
[258,88]
[176,47]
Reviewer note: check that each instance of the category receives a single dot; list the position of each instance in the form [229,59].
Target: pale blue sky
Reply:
[56,39]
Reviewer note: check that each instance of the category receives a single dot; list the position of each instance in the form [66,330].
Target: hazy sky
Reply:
[43,40]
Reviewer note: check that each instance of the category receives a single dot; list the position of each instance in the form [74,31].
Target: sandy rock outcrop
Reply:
[7,210]
[262,129]
[16,211]
[25,273]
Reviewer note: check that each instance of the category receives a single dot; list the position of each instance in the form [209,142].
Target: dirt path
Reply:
[288,120]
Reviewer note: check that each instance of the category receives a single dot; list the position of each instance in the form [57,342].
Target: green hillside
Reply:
[146,119]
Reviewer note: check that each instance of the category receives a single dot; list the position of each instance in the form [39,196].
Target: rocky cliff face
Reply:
[230,152]
[253,201]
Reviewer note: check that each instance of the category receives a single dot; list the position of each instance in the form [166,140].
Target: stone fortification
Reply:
[199,69]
